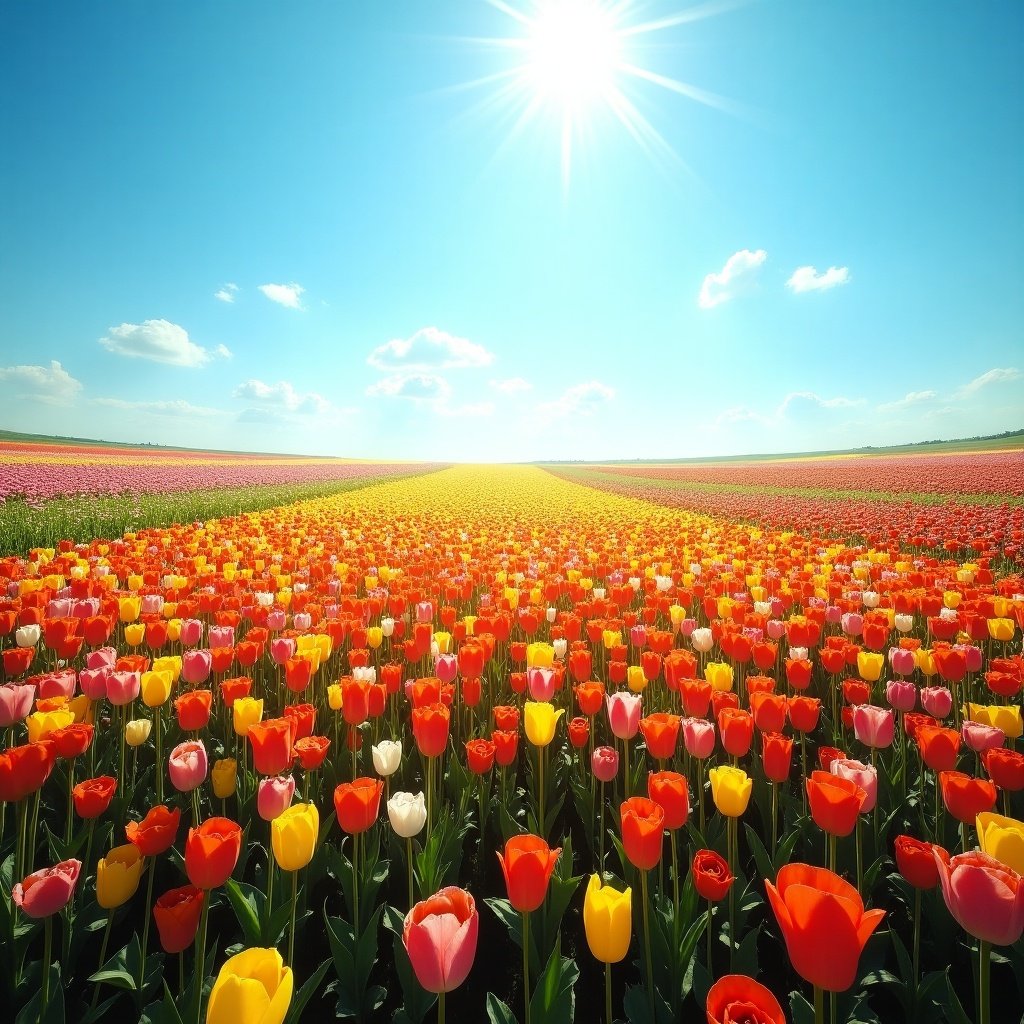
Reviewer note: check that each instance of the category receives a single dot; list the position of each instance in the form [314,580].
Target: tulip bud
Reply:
[407,813]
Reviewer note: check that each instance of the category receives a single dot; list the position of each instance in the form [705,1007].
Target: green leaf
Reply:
[801,1009]
[761,859]
[497,1011]
[305,993]
[554,998]
[954,1008]
[248,904]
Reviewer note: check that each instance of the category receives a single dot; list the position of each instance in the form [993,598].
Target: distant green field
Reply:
[993,442]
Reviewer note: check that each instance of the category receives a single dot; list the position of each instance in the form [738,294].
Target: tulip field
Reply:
[291,740]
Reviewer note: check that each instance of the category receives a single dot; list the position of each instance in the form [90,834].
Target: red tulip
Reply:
[527,865]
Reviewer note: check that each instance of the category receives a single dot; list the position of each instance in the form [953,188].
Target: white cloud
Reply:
[226,293]
[909,399]
[807,279]
[223,352]
[998,375]
[420,387]
[809,398]
[160,341]
[175,407]
[284,294]
[282,396]
[468,411]
[511,385]
[52,384]
[731,279]
[579,400]
[429,349]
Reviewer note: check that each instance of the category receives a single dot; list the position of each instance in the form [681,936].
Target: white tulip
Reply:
[387,756]
[27,636]
[870,598]
[387,626]
[903,622]
[551,614]
[702,639]
[407,813]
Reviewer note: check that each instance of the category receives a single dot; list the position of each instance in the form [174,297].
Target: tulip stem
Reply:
[938,811]
[984,1008]
[47,948]
[427,771]
[270,885]
[608,994]
[30,852]
[103,957]
[775,817]
[600,828]
[145,926]
[201,957]
[803,768]
[408,858]
[355,884]
[159,756]
[526,964]
[291,931]
[917,935]
[860,868]
[710,941]
[819,1005]
[647,942]
[675,875]
[71,799]
[733,867]
[540,793]
[440,1008]
[625,778]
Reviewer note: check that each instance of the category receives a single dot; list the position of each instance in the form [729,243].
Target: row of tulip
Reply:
[441,642]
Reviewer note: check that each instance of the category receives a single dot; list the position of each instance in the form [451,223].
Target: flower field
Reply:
[643,744]
[51,492]
[946,504]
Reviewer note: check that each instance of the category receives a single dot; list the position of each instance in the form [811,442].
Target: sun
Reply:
[573,52]
[575,59]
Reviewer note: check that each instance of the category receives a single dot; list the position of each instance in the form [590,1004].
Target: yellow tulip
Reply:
[470,622]
[607,918]
[1002,838]
[719,675]
[611,638]
[1003,716]
[374,637]
[324,644]
[129,608]
[224,776]
[1001,629]
[870,665]
[135,634]
[173,626]
[293,835]
[81,708]
[253,987]
[539,720]
[730,789]
[676,614]
[443,641]
[136,732]
[117,876]
[156,688]
[635,679]
[334,698]
[925,661]
[42,723]
[246,711]
[168,663]
[540,655]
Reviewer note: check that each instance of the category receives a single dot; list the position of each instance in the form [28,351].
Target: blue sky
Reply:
[298,227]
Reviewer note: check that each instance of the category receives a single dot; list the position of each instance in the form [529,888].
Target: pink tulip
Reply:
[424,611]
[281,649]
[276,619]
[440,936]
[687,626]
[93,682]
[833,615]
[123,687]
[852,623]
[981,737]
[86,608]
[604,763]
[776,629]
[191,632]
[221,636]
[937,701]
[874,726]
[58,684]
[985,897]
[275,796]
[187,765]
[864,775]
[47,891]
[60,609]
[972,656]
[698,737]
[152,604]
[902,696]
[302,621]
[902,662]
[15,702]
[541,682]
[638,635]
[624,714]
[446,667]
[196,666]
[102,657]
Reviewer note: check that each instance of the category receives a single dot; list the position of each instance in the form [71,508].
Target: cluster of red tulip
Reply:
[747,727]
